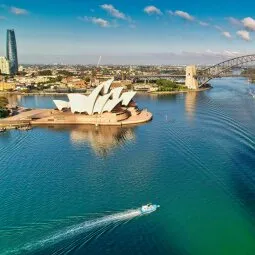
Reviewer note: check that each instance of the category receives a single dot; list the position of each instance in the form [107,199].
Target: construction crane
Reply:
[99,61]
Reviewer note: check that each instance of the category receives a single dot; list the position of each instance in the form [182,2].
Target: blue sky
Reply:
[128,32]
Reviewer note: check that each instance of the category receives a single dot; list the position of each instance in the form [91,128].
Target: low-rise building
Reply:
[34,80]
[117,84]
[142,87]
[21,68]
[74,82]
[66,80]
[4,65]
[77,84]
[7,86]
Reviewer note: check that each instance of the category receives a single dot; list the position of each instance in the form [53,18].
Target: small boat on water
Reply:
[149,208]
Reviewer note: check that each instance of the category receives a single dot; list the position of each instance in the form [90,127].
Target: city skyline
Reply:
[148,32]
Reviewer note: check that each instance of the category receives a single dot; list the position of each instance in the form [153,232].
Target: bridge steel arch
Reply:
[205,75]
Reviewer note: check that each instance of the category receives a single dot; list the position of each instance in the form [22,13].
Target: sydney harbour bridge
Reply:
[195,78]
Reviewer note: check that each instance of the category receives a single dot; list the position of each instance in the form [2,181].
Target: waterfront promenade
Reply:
[38,117]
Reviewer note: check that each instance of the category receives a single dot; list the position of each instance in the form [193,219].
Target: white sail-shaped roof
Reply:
[116,92]
[107,84]
[109,106]
[127,97]
[100,103]
[78,103]
[102,99]
[61,104]
[91,99]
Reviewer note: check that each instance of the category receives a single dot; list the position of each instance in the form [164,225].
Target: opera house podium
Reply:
[102,107]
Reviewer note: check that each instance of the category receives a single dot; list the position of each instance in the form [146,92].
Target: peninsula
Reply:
[104,106]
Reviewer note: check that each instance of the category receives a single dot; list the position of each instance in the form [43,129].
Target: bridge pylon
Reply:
[191,77]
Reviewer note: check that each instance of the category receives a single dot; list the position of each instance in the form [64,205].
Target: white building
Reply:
[4,65]
[21,68]
[101,100]
[36,80]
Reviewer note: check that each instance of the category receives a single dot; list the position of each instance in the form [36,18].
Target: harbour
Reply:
[195,159]
[127,128]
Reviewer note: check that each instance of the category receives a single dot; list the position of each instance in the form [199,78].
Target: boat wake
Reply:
[101,224]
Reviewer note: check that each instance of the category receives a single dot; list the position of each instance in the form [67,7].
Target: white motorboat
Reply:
[149,208]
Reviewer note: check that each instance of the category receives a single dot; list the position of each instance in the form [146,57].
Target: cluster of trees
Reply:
[106,71]
[249,72]
[22,73]
[45,73]
[48,72]
[174,71]
[4,112]
[86,79]
[166,85]
[65,73]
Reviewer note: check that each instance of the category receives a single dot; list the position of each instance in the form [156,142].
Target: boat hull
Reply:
[152,208]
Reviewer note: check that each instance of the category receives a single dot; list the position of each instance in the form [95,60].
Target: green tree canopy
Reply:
[3,110]
[166,85]
[45,73]
[3,102]
[65,73]
[87,79]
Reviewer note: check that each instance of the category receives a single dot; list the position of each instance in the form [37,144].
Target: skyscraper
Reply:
[11,51]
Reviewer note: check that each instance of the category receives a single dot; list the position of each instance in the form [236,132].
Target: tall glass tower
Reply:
[11,51]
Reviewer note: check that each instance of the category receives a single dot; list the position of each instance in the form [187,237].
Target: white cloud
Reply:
[218,28]
[100,22]
[245,35]
[227,34]
[184,15]
[225,54]
[203,24]
[18,11]
[113,11]
[233,53]
[2,18]
[234,21]
[152,10]
[249,23]
[97,21]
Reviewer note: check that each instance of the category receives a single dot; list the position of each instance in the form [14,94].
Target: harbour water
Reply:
[196,159]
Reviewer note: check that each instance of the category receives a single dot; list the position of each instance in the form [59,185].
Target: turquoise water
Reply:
[70,190]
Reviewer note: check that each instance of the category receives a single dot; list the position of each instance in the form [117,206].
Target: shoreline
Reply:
[37,93]
[178,92]
[66,93]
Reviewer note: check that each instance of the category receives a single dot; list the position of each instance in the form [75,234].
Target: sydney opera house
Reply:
[101,100]
[104,106]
